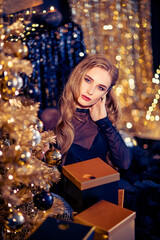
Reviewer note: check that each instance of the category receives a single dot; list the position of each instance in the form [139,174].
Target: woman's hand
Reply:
[98,110]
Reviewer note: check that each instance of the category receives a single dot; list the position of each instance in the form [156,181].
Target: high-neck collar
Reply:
[82,114]
[82,110]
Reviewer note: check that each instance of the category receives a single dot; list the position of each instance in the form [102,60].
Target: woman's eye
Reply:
[87,80]
[101,88]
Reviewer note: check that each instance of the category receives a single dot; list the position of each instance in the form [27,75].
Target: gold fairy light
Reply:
[52,8]
[152,114]
[121,30]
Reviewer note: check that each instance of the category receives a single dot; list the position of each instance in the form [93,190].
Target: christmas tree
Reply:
[25,175]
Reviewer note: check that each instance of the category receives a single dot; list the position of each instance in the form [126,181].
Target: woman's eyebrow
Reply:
[89,77]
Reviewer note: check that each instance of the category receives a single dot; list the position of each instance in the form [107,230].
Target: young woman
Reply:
[85,123]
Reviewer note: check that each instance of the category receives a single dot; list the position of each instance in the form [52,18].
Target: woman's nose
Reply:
[90,90]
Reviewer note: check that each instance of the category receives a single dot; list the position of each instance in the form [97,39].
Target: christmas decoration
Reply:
[15,221]
[25,180]
[53,157]
[43,200]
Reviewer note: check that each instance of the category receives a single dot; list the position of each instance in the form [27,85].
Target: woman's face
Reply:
[94,85]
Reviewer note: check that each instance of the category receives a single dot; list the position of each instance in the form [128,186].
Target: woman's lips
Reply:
[85,98]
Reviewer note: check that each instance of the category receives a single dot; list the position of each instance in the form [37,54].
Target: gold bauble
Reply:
[4,31]
[22,51]
[10,84]
[25,154]
[53,157]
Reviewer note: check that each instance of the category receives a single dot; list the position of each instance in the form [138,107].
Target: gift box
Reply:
[87,182]
[55,229]
[112,222]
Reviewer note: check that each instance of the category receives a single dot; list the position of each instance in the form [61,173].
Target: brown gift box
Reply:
[112,222]
[87,182]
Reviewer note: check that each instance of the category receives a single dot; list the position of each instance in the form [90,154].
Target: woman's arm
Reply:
[119,152]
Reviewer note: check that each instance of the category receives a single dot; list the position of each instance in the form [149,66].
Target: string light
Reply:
[124,35]
[154,104]
[52,8]
[129,125]
[10,177]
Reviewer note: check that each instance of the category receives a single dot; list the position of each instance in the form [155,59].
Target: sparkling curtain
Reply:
[122,31]
[53,53]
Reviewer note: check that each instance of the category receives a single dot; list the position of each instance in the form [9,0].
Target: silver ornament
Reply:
[15,221]
[36,137]
[19,81]
[25,155]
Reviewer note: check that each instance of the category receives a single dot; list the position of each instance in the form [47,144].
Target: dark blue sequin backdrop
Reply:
[53,53]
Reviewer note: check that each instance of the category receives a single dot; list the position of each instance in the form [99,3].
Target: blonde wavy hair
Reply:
[68,100]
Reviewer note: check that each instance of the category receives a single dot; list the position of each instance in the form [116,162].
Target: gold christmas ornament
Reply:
[4,31]
[39,125]
[53,157]
[22,51]
[24,155]
[10,84]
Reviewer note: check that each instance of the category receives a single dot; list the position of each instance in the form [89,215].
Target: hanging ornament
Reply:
[53,18]
[11,82]
[4,31]
[67,213]
[19,81]
[22,51]
[39,125]
[24,155]
[43,200]
[36,138]
[10,85]
[53,157]
[15,221]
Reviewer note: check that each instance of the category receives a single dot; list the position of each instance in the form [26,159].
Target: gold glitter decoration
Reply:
[121,30]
